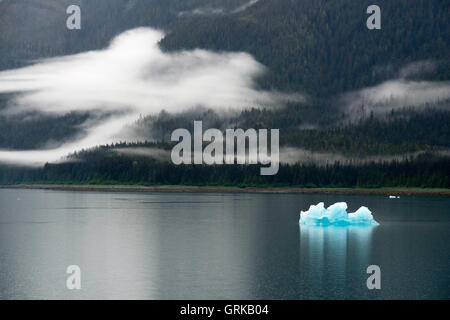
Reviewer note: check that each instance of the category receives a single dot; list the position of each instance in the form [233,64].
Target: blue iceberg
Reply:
[336,215]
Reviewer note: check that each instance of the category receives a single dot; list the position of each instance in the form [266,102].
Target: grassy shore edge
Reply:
[213,189]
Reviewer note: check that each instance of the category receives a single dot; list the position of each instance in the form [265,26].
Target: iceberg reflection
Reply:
[324,252]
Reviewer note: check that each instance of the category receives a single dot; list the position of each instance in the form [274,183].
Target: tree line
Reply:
[426,171]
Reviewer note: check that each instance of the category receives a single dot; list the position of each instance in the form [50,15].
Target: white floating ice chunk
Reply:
[336,214]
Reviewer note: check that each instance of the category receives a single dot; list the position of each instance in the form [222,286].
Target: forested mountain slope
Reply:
[31,29]
[324,47]
[316,46]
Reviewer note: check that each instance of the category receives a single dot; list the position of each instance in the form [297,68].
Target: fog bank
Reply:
[131,77]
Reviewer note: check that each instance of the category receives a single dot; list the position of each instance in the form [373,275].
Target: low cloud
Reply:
[210,11]
[398,93]
[104,133]
[203,11]
[417,69]
[129,78]
[245,6]
[291,155]
[154,153]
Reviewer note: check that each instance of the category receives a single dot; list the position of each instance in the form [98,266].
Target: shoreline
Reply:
[279,190]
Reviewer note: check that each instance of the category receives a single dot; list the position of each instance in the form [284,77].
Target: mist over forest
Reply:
[98,105]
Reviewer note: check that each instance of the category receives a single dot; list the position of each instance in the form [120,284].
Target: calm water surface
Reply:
[218,246]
